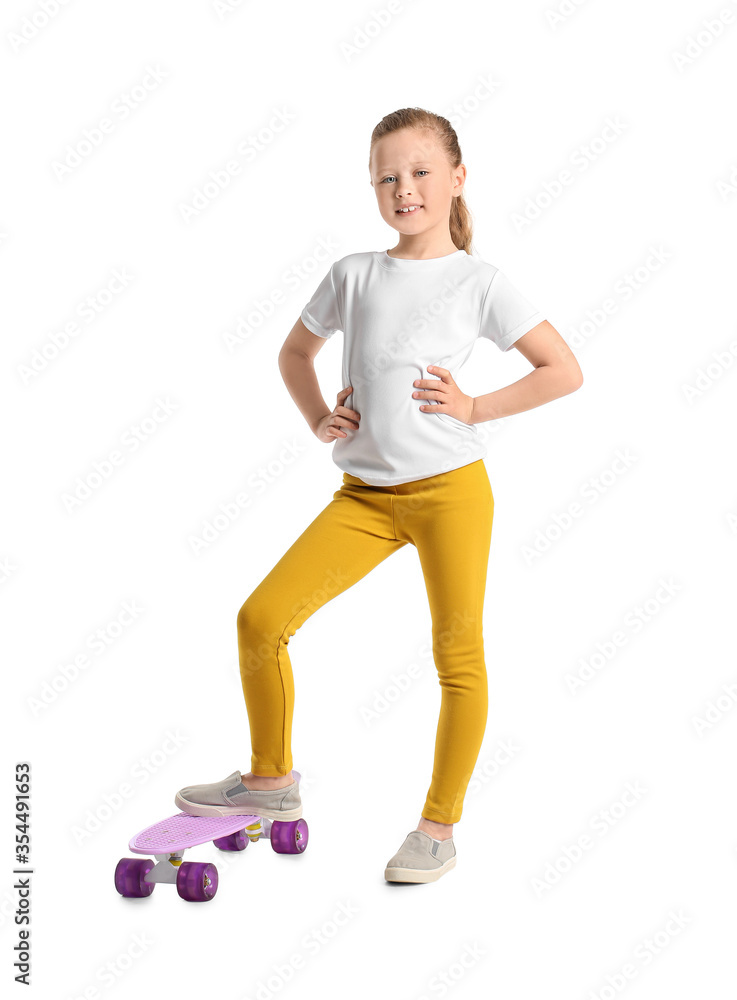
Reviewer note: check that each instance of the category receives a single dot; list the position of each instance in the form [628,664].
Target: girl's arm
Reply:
[556,374]
[296,364]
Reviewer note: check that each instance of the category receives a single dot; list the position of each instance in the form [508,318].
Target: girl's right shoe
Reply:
[231,797]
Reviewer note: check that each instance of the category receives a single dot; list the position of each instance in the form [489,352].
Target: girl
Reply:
[413,470]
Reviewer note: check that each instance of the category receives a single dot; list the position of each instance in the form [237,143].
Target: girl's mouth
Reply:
[412,211]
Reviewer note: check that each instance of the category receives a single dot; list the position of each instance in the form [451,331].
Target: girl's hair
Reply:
[461,229]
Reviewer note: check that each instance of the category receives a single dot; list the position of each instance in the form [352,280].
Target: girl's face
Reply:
[409,167]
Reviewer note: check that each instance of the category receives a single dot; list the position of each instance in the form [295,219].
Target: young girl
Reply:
[413,470]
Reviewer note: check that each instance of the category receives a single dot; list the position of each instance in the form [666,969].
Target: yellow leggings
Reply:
[448,519]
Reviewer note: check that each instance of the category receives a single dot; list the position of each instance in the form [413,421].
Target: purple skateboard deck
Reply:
[181,831]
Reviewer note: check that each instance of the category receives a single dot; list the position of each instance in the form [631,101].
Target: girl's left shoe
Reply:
[421,859]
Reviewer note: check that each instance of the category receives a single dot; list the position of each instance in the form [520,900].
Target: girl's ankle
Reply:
[439,831]
[267,781]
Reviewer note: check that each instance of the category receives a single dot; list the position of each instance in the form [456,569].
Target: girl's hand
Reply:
[328,427]
[450,398]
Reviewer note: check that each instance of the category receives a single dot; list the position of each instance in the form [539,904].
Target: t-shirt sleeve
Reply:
[506,315]
[321,315]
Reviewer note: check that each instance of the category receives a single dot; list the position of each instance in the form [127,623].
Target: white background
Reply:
[161,706]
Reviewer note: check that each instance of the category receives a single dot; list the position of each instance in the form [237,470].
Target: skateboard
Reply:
[197,881]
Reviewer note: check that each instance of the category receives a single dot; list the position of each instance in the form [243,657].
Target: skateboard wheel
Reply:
[289,837]
[197,881]
[129,877]
[234,842]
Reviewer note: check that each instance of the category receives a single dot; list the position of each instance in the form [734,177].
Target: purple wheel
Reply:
[129,877]
[233,842]
[289,838]
[197,881]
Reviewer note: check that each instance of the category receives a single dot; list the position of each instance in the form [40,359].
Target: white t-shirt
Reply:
[398,316]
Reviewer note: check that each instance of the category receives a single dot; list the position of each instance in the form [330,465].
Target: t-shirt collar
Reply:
[401,264]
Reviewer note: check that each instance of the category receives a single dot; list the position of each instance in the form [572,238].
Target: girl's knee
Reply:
[251,616]
[260,620]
